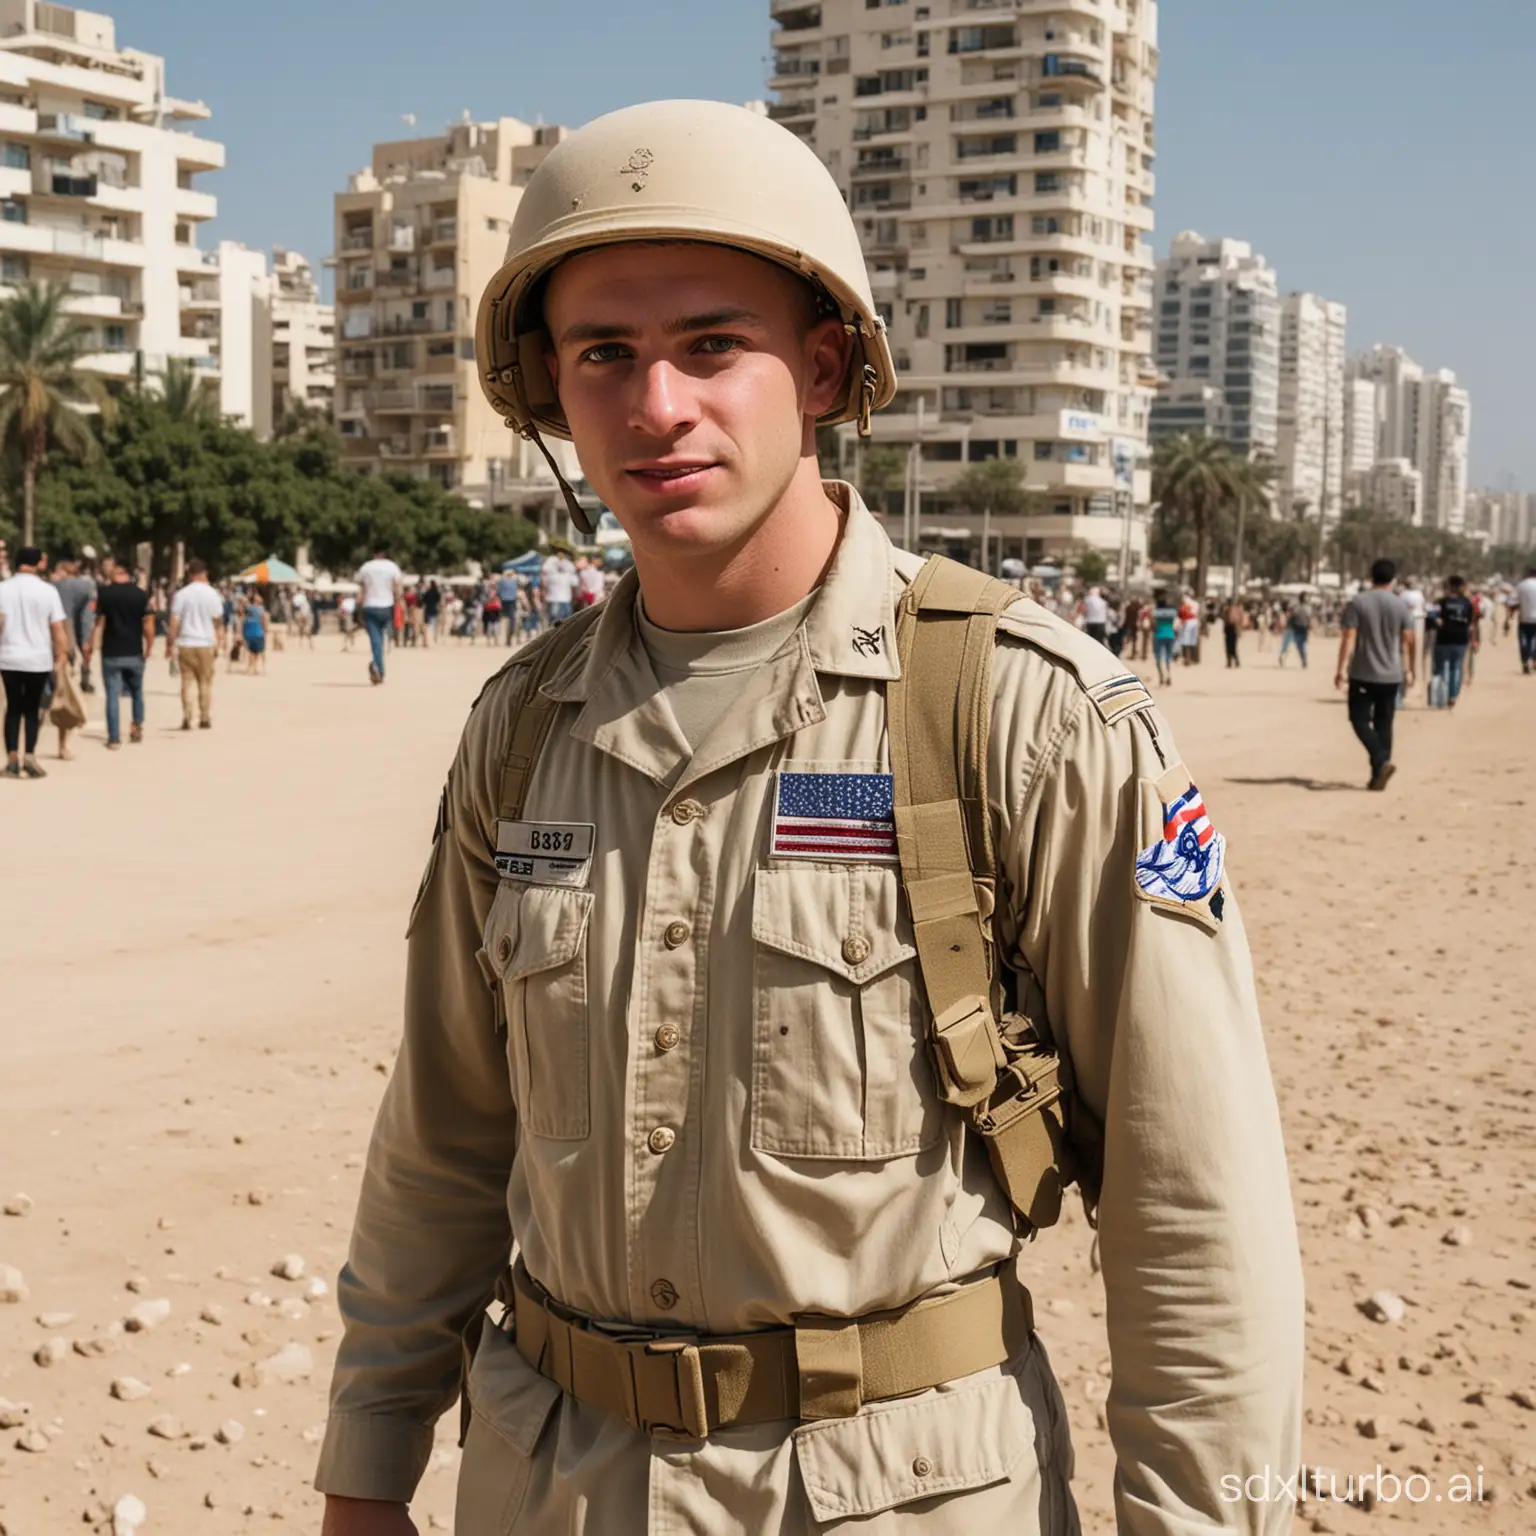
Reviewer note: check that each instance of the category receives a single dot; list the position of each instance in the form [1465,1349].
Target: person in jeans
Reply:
[381,581]
[125,636]
[1522,606]
[1455,631]
[196,637]
[1165,622]
[1298,631]
[78,594]
[1376,658]
[34,640]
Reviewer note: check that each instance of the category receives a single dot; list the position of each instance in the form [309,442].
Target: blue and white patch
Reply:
[1185,863]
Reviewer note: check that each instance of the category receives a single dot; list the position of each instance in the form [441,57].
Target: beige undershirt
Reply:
[700,672]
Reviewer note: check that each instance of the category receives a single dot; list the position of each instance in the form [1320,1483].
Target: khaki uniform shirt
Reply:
[699,1107]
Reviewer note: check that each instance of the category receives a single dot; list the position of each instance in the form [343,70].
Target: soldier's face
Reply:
[692,377]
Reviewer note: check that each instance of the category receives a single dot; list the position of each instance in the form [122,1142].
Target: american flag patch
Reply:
[841,816]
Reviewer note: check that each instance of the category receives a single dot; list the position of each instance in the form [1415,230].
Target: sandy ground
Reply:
[198,998]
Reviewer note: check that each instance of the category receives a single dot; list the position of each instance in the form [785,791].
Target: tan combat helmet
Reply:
[674,170]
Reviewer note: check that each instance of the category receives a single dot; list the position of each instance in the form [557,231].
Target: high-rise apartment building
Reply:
[303,338]
[1396,488]
[998,162]
[1423,417]
[1218,344]
[418,236]
[1503,517]
[1310,421]
[98,189]
[1359,434]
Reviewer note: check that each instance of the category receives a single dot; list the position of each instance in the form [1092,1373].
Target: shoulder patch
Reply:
[1112,690]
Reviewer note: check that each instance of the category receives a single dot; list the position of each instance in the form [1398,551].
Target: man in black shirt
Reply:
[125,633]
[1455,631]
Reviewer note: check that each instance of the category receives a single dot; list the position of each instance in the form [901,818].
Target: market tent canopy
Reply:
[525,565]
[270,570]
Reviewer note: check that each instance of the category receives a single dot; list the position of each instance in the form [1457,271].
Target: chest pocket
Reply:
[536,937]
[840,1062]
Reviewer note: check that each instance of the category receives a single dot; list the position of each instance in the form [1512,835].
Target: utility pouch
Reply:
[1024,1125]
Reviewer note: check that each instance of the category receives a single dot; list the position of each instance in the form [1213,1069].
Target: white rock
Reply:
[33,1440]
[97,1345]
[1458,1237]
[290,1267]
[293,1362]
[51,1352]
[293,1308]
[13,1415]
[317,1289]
[258,1299]
[181,1368]
[212,1313]
[13,1285]
[230,1432]
[128,1514]
[1385,1307]
[54,1320]
[138,1284]
[167,1426]
[129,1389]
[147,1315]
[18,1205]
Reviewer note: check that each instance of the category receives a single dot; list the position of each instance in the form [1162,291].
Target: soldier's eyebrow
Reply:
[684,325]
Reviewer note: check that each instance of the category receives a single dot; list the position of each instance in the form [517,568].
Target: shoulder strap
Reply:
[939,714]
[536,710]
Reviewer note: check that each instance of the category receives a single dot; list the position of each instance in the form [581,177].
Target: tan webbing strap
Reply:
[938,721]
[536,712]
[691,1385]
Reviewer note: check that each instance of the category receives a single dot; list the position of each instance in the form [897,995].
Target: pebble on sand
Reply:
[230,1432]
[293,1362]
[167,1426]
[128,1514]
[1458,1237]
[290,1267]
[18,1205]
[51,1352]
[129,1389]
[1384,1307]
[147,1315]
[13,1285]
[212,1313]
[13,1415]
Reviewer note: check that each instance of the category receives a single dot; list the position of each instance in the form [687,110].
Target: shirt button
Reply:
[677,935]
[856,950]
[664,1294]
[662,1139]
[668,1037]
[504,949]
[685,811]
[922,1467]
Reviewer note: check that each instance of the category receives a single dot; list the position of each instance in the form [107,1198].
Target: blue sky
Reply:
[1379,152]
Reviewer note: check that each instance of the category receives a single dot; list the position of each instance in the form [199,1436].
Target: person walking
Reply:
[1376,657]
[783,1295]
[1189,632]
[253,634]
[124,639]
[590,587]
[1095,612]
[1523,609]
[1298,630]
[1165,633]
[1417,605]
[34,642]
[78,594]
[381,582]
[1234,619]
[1456,629]
[558,577]
[195,638]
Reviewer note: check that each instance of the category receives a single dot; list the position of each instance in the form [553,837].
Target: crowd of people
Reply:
[63,620]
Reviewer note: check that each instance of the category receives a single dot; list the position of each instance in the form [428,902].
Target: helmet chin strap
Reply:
[577,511]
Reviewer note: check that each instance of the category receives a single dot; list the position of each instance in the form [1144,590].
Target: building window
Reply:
[116,338]
[954,313]
[1043,451]
[13,212]
[1047,181]
[14,269]
[1045,224]
[18,157]
[1047,143]
[100,112]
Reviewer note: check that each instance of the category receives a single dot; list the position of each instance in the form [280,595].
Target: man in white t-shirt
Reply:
[34,639]
[1524,605]
[559,579]
[197,636]
[381,580]
[1095,612]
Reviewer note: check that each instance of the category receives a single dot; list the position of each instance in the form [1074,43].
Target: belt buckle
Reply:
[688,1373]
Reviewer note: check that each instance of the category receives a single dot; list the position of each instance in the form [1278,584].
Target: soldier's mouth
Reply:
[673,476]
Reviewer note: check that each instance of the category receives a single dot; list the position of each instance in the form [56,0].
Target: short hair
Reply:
[1455,583]
[1382,572]
[29,554]
[196,567]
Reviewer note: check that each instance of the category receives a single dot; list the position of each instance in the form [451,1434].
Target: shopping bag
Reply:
[67,711]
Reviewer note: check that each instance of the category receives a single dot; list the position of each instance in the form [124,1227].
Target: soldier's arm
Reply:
[1155,1009]
[432,1233]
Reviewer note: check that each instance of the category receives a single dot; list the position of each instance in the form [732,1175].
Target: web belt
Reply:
[688,1385]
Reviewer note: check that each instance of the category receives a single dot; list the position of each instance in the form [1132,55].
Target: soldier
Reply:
[692,1023]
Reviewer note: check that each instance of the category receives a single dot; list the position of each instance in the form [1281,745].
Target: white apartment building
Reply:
[1504,517]
[303,338]
[1218,344]
[1396,488]
[1423,417]
[98,186]
[1359,434]
[418,236]
[998,162]
[1311,416]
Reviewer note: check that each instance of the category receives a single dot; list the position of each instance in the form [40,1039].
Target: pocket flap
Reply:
[894,1453]
[508,1393]
[535,928]
[843,919]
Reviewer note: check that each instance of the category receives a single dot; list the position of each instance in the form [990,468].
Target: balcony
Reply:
[440,278]
[190,259]
[357,240]
[445,232]
[394,402]
[787,111]
[438,444]
[50,182]
[413,325]
[65,126]
[397,277]
[402,238]
[891,165]
[395,448]
[795,15]
[189,204]
[17,119]
[359,281]
[200,296]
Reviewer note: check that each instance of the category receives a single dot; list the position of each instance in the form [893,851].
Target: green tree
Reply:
[1091,568]
[44,394]
[184,395]
[993,485]
[884,469]
[1194,480]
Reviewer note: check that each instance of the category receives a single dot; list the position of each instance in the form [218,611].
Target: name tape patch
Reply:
[545,852]
[845,817]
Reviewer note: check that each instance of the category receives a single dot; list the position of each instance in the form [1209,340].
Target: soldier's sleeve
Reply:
[1126,915]
[432,1233]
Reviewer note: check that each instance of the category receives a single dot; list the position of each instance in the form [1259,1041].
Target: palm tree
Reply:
[183,394]
[1254,478]
[44,395]
[1193,479]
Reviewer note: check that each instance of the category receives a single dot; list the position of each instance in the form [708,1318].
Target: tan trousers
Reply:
[196,663]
